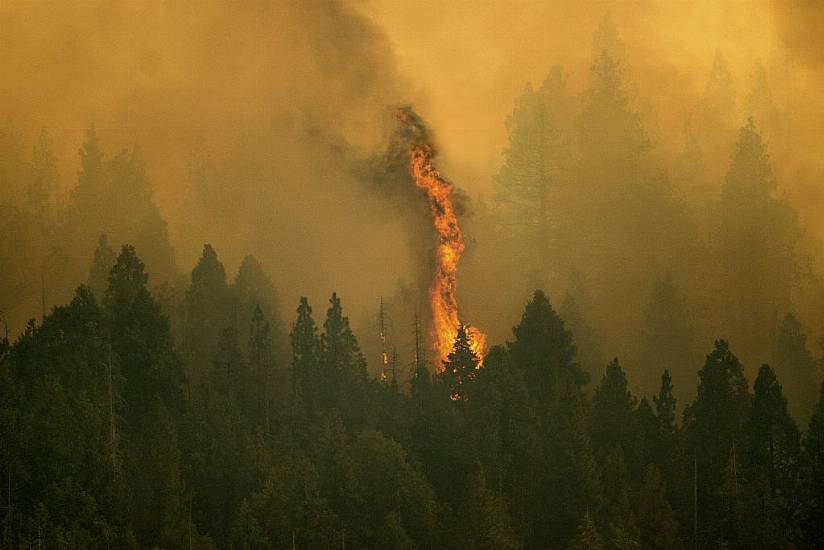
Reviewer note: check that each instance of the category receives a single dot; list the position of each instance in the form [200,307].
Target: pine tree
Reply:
[665,403]
[104,259]
[656,519]
[665,447]
[760,105]
[253,289]
[757,239]
[89,182]
[260,357]
[206,312]
[460,367]
[544,348]
[44,197]
[796,366]
[483,522]
[812,479]
[770,453]
[587,536]
[305,357]
[229,369]
[158,482]
[534,159]
[565,481]
[713,425]
[771,435]
[712,124]
[618,197]
[616,512]
[667,337]
[343,378]
[612,428]
[141,339]
[586,340]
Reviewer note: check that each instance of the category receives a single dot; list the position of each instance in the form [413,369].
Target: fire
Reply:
[442,292]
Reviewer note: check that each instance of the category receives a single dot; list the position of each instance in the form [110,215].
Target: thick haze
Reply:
[259,122]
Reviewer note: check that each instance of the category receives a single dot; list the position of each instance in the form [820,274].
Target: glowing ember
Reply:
[442,292]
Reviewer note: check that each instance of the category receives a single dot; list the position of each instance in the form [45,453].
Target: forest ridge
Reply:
[653,301]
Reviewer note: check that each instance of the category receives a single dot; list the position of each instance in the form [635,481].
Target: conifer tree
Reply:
[710,129]
[89,182]
[206,312]
[586,340]
[157,478]
[770,453]
[665,404]
[713,426]
[305,356]
[483,522]
[229,374]
[667,337]
[757,238]
[343,378]
[566,482]
[252,289]
[612,412]
[812,478]
[795,365]
[587,536]
[665,448]
[141,339]
[656,519]
[760,104]
[544,348]
[43,194]
[771,435]
[104,258]
[616,512]
[260,357]
[460,367]
[534,160]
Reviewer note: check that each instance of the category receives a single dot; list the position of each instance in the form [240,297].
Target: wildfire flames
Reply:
[442,292]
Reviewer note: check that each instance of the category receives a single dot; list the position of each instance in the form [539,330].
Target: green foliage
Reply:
[713,426]
[770,466]
[656,519]
[104,446]
[812,478]
[587,536]
[796,367]
[612,410]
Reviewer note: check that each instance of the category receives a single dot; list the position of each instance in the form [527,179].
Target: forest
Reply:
[234,241]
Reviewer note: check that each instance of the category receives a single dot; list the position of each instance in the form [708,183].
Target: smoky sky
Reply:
[290,101]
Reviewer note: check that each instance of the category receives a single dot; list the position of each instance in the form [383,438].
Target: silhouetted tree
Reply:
[656,519]
[757,237]
[104,259]
[812,478]
[796,366]
[713,426]
[460,366]
[769,454]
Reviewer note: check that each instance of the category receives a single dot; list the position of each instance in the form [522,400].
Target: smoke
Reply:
[268,127]
[251,117]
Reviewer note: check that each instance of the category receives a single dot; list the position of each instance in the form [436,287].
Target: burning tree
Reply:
[450,245]
[460,366]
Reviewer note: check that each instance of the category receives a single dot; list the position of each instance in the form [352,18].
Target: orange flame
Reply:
[442,292]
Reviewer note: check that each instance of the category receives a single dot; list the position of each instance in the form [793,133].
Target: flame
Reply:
[442,292]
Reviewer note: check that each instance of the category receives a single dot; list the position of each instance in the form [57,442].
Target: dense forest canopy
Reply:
[215,275]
